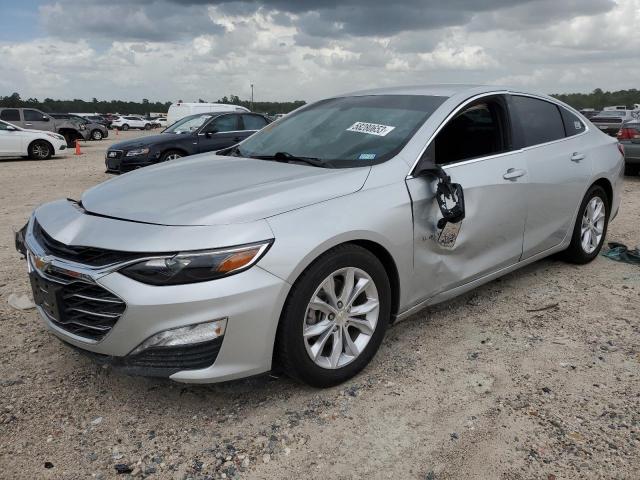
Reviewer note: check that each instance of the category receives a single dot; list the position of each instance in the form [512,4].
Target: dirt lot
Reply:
[534,376]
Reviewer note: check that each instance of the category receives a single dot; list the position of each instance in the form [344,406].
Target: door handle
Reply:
[513,174]
[576,157]
[29,124]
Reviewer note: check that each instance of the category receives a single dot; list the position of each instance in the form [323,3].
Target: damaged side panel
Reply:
[489,238]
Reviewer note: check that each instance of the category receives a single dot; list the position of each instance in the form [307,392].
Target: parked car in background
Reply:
[153,120]
[180,110]
[30,118]
[610,121]
[199,133]
[302,244]
[127,122]
[162,122]
[629,138]
[589,112]
[97,131]
[99,119]
[35,144]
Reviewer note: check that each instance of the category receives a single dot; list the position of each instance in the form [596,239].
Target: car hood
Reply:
[217,190]
[143,141]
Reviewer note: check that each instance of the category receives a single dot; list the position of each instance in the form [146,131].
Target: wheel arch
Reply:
[53,150]
[174,149]
[606,186]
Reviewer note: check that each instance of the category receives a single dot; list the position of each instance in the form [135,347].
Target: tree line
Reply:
[597,99]
[50,105]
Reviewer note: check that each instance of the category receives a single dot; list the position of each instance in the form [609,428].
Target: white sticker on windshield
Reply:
[577,125]
[370,128]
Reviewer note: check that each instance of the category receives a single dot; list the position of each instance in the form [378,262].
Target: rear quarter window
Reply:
[540,121]
[572,124]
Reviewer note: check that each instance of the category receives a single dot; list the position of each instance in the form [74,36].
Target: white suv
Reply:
[36,144]
[125,123]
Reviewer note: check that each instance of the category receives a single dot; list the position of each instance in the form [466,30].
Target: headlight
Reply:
[137,151]
[55,135]
[192,267]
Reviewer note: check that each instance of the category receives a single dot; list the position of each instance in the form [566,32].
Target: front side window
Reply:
[477,131]
[345,132]
[226,123]
[32,115]
[253,122]
[540,121]
[188,124]
[10,115]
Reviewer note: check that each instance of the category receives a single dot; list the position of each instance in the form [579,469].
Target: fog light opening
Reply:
[201,332]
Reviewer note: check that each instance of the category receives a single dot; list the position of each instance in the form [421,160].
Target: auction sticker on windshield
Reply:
[370,128]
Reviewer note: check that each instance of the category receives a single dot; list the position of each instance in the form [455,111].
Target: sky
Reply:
[310,49]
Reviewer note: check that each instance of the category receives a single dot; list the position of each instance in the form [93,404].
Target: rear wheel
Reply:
[96,135]
[590,228]
[335,317]
[40,150]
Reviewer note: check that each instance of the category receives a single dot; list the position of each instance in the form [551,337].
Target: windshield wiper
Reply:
[287,158]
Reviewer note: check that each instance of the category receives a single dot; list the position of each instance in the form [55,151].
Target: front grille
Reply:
[91,256]
[606,120]
[80,308]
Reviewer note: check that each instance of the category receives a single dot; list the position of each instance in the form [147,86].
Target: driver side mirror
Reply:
[11,128]
[450,196]
[211,132]
[45,118]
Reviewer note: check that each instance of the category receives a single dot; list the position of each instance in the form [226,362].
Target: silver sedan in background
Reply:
[302,244]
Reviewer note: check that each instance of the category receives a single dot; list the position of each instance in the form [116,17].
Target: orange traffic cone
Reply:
[78,152]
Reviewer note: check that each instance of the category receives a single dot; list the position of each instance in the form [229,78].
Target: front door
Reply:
[35,120]
[10,141]
[474,149]
[221,132]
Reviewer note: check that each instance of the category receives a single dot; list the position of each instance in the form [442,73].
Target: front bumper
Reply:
[121,163]
[250,301]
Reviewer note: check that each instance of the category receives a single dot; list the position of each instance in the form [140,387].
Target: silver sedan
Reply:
[299,246]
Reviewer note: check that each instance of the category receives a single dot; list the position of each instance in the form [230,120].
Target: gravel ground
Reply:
[533,376]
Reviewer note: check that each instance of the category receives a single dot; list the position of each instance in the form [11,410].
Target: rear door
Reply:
[12,115]
[475,149]
[36,120]
[221,132]
[553,147]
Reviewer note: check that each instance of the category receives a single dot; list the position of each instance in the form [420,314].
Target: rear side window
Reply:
[540,121]
[572,124]
[10,115]
[253,122]
[32,115]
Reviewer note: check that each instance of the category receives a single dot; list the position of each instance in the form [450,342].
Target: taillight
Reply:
[621,148]
[628,134]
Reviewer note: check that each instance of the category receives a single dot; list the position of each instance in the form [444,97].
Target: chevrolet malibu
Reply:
[299,246]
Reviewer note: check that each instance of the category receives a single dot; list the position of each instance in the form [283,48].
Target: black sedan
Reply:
[204,132]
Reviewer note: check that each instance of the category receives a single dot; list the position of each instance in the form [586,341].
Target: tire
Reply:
[577,252]
[125,127]
[293,351]
[70,139]
[96,135]
[147,127]
[171,155]
[40,150]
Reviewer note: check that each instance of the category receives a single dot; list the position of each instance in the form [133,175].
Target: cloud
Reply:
[309,49]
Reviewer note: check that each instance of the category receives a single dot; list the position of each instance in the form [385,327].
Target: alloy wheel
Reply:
[97,135]
[341,318]
[592,225]
[173,156]
[40,150]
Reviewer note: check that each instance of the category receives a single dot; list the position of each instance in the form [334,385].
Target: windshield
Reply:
[188,124]
[344,132]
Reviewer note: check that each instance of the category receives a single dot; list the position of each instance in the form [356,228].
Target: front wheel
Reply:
[96,135]
[147,127]
[590,228]
[171,155]
[40,150]
[335,317]
[125,127]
